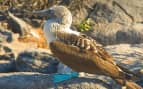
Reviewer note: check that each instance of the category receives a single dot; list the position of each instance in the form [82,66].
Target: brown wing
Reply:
[90,58]
[84,43]
[94,46]
[100,50]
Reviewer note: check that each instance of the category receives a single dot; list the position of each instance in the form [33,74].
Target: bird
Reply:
[79,51]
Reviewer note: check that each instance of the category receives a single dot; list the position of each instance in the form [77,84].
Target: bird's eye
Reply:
[50,11]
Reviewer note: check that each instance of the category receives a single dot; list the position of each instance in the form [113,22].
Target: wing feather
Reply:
[85,43]
[82,59]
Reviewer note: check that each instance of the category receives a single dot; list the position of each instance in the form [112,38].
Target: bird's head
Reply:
[60,14]
[59,19]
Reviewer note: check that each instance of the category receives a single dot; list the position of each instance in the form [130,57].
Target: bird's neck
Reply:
[63,25]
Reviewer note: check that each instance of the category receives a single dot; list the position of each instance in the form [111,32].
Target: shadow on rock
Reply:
[36,61]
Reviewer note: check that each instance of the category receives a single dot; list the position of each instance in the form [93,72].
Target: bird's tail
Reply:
[128,83]
[129,74]
[127,79]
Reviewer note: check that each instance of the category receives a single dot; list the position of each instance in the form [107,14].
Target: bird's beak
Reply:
[46,12]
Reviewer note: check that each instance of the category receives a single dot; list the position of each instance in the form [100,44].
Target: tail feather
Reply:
[128,84]
[128,76]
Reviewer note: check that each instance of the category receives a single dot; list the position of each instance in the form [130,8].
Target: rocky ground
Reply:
[117,24]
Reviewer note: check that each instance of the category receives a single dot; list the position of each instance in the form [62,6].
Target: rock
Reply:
[7,59]
[131,8]
[36,60]
[20,44]
[81,10]
[28,33]
[24,80]
[129,56]
[140,82]
[7,66]
[5,35]
[113,22]
[109,34]
[122,12]
[102,13]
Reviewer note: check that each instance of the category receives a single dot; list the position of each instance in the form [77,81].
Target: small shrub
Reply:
[85,26]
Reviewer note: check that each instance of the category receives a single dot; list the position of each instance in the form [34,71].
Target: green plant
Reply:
[85,26]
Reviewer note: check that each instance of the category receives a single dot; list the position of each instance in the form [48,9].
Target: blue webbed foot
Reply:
[62,77]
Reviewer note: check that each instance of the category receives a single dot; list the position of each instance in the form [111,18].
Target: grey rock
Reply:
[116,22]
[5,36]
[122,12]
[7,66]
[131,8]
[127,55]
[111,34]
[7,59]
[102,13]
[36,61]
[24,80]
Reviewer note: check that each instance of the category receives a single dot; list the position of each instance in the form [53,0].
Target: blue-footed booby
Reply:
[78,51]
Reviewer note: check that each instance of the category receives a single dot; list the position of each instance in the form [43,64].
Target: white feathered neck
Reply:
[60,23]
